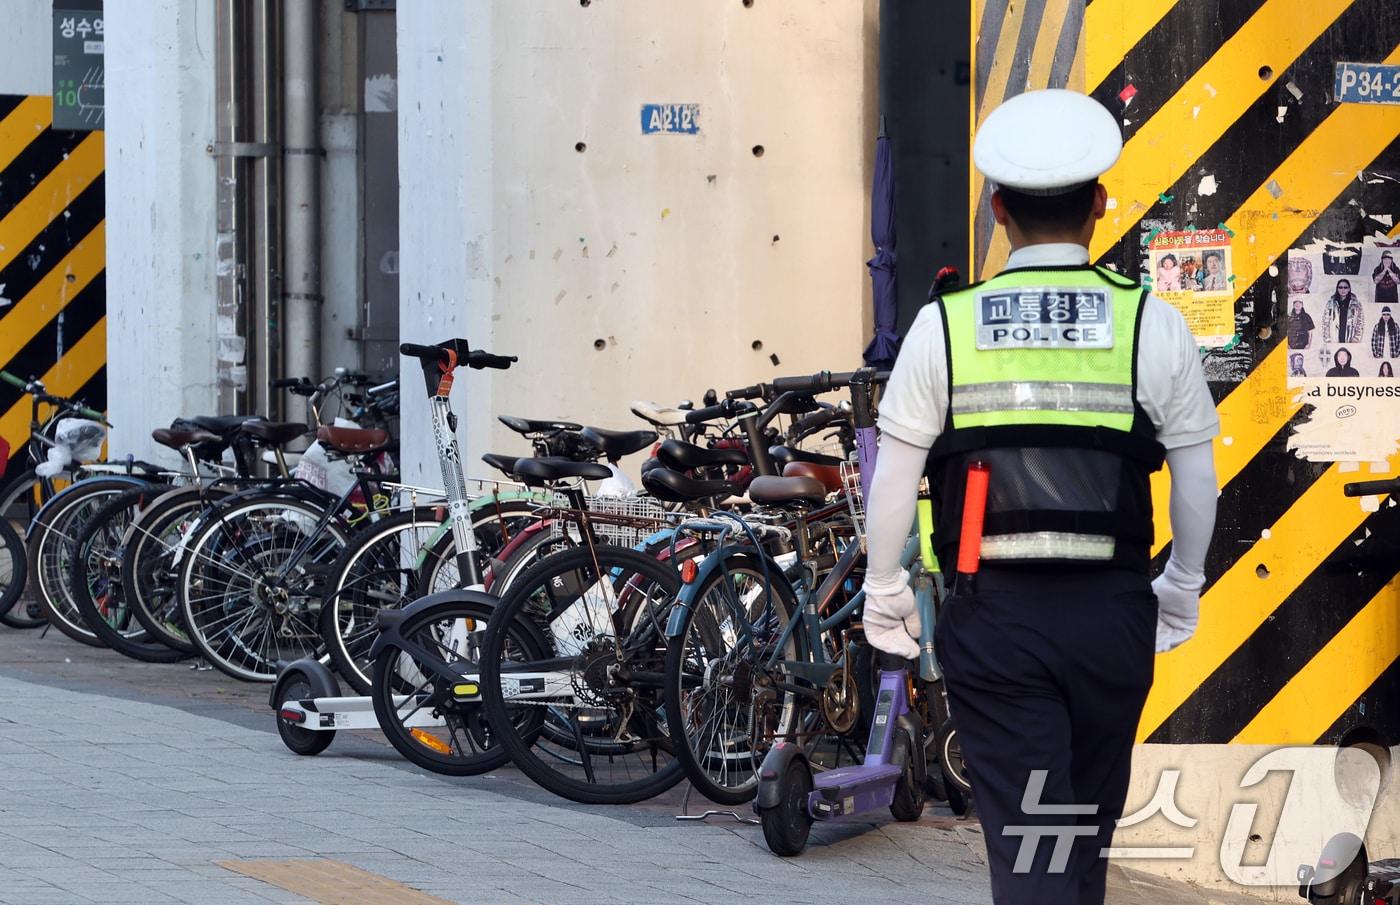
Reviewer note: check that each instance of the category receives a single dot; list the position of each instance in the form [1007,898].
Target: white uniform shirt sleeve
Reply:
[914,405]
[1171,387]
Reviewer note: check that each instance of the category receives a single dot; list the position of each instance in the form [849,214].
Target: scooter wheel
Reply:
[787,824]
[295,686]
[908,801]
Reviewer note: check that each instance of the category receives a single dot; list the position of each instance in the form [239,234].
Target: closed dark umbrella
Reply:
[885,345]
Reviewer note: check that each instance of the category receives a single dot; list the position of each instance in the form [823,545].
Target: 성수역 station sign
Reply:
[78,70]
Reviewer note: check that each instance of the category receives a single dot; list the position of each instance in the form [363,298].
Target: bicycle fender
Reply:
[389,627]
[912,728]
[712,561]
[55,501]
[318,676]
[775,764]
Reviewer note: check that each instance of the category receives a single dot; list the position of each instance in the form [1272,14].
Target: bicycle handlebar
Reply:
[817,383]
[1367,488]
[12,380]
[748,392]
[729,408]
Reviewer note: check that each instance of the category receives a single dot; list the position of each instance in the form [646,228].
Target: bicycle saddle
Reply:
[660,415]
[616,444]
[782,455]
[536,472]
[794,491]
[529,426]
[352,441]
[502,463]
[179,439]
[674,487]
[829,475]
[682,456]
[220,424]
[274,433]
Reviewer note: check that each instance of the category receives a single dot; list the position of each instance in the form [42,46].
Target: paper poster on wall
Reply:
[1190,269]
[1343,336]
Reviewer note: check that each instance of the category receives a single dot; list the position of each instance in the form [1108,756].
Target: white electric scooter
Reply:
[306,696]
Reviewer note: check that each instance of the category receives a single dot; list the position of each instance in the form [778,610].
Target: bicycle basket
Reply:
[623,521]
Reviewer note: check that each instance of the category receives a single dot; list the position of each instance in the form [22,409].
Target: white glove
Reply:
[1178,605]
[892,620]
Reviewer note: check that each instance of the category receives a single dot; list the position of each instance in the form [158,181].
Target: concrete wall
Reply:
[26,47]
[160,216]
[677,254]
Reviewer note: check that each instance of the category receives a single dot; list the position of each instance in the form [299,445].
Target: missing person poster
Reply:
[1343,336]
[1190,269]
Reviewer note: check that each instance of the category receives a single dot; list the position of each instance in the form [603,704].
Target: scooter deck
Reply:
[329,714]
[852,790]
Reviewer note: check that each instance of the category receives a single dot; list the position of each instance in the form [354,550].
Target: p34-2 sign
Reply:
[1367,83]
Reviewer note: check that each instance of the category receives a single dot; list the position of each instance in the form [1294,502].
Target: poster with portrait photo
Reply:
[1343,349]
[1190,269]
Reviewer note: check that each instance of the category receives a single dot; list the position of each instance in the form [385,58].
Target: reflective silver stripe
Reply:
[1042,395]
[1047,545]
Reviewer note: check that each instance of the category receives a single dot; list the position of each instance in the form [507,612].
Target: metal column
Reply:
[301,203]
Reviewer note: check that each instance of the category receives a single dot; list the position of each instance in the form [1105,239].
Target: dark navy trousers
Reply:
[1047,673]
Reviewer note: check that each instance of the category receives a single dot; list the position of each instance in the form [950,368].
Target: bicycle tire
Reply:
[463,720]
[150,567]
[14,574]
[611,587]
[370,576]
[50,546]
[737,780]
[233,537]
[97,584]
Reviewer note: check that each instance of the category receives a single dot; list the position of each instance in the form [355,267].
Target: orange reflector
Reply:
[431,742]
[688,571]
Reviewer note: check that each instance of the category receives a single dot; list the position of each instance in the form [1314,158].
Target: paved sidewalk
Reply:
[108,797]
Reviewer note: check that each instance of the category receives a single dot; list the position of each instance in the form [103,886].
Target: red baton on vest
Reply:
[973,515]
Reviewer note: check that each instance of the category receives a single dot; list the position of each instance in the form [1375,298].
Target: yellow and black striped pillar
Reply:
[1229,120]
[52,260]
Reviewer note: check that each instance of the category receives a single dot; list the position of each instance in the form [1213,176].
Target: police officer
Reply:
[1073,384]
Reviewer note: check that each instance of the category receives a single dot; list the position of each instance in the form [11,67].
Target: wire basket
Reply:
[855,498]
[623,521]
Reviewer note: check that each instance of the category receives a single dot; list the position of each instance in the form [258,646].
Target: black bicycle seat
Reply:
[179,439]
[674,487]
[273,433]
[220,424]
[616,444]
[547,471]
[529,426]
[502,463]
[782,455]
[793,491]
[680,455]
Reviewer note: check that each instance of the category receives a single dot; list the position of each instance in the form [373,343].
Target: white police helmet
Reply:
[1047,142]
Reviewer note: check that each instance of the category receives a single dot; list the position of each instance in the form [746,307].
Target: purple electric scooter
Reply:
[791,798]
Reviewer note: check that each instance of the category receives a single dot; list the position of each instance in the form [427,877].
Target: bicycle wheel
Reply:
[378,569]
[151,555]
[98,593]
[14,573]
[594,730]
[438,650]
[51,547]
[725,700]
[251,583]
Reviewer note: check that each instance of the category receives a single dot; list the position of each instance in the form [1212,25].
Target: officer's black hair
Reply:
[1050,213]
